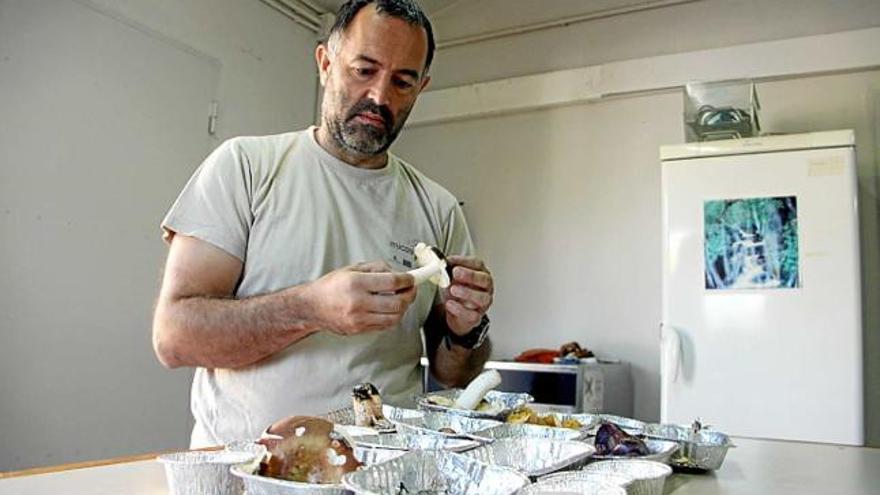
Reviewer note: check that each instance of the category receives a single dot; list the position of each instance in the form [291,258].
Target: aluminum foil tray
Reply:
[434,422]
[502,403]
[616,479]
[415,441]
[345,416]
[258,450]
[660,451]
[533,456]
[365,455]
[629,425]
[587,421]
[573,486]
[204,472]
[370,456]
[255,484]
[649,477]
[435,472]
[704,449]
[511,430]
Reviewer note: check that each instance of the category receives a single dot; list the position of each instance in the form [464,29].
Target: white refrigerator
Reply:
[761,333]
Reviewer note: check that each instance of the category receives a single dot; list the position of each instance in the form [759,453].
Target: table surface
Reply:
[753,466]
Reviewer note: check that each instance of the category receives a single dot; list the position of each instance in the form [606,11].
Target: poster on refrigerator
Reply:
[751,243]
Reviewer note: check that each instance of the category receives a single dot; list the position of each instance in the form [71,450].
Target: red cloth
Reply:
[537,356]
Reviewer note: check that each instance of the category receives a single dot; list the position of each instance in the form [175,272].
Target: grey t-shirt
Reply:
[292,212]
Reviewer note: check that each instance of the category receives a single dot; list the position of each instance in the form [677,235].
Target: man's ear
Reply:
[322,57]
[425,82]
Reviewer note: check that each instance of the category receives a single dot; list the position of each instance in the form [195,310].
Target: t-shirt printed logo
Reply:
[402,253]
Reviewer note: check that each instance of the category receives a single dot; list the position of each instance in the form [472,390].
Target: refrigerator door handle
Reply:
[670,345]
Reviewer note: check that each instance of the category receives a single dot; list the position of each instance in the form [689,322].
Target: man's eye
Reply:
[363,71]
[403,84]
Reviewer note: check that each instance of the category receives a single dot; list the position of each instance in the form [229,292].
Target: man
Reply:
[266,290]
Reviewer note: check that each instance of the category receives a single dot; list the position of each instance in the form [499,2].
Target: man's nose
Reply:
[380,90]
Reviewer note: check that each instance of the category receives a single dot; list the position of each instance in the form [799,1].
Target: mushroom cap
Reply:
[310,452]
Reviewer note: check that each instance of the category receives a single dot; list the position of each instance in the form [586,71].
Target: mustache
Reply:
[369,106]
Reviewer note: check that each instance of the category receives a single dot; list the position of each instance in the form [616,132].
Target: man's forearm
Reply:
[229,333]
[453,366]
[457,366]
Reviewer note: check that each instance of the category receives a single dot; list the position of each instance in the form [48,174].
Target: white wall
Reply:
[104,117]
[267,81]
[565,210]
[565,202]
[688,27]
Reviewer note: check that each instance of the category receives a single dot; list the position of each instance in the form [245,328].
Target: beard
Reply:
[366,139]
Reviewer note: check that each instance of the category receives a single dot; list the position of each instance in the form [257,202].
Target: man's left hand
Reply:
[469,295]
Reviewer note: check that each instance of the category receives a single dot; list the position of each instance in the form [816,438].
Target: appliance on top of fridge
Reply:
[762,332]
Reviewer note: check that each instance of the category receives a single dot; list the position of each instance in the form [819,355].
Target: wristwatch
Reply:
[471,340]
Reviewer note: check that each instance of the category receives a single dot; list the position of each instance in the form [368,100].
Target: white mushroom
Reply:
[432,266]
[477,389]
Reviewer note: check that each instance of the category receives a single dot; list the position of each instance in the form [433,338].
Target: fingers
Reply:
[464,318]
[467,262]
[387,282]
[370,312]
[472,284]
[389,303]
[472,272]
[471,293]
[371,267]
[472,278]
[479,300]
[370,322]
[360,298]
[377,313]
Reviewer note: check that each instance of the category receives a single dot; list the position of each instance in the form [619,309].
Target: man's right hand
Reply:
[361,298]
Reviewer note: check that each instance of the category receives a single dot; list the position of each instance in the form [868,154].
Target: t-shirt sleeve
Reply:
[215,205]
[458,237]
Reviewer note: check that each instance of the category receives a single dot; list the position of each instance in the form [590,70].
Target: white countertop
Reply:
[130,478]
[753,467]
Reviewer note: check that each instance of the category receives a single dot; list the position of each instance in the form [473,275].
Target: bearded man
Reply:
[286,284]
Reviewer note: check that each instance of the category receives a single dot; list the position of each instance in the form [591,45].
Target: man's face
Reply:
[371,82]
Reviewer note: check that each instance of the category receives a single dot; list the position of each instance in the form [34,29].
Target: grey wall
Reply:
[565,202]
[694,26]
[104,111]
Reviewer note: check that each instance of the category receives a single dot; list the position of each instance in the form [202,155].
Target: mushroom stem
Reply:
[431,266]
[477,389]
[424,273]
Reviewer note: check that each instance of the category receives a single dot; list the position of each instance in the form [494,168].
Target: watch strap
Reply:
[471,340]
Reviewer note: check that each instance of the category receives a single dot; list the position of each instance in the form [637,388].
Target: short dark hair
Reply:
[407,10]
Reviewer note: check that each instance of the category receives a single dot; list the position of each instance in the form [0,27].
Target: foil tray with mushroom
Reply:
[533,456]
[435,472]
[613,442]
[700,448]
[450,425]
[346,417]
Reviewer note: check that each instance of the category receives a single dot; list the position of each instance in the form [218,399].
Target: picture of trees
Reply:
[751,243]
